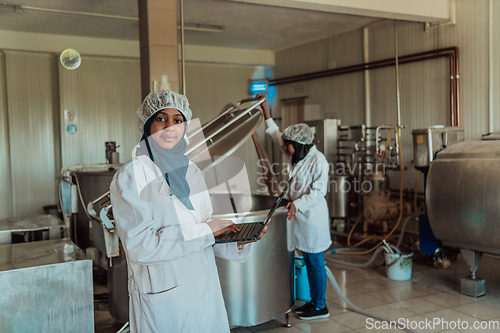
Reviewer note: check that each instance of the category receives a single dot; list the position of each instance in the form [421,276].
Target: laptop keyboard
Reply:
[246,231]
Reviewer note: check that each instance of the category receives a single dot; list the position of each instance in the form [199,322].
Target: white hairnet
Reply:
[300,133]
[160,100]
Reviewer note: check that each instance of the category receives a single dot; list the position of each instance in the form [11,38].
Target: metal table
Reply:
[49,227]
[46,286]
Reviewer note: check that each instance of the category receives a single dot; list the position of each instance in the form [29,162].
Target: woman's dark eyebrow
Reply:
[175,115]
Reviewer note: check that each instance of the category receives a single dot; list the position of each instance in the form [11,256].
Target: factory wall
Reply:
[31,98]
[36,94]
[424,86]
[104,93]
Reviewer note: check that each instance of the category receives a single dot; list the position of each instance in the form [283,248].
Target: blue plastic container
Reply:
[302,291]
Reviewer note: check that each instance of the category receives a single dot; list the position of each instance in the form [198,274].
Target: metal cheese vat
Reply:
[261,288]
[463,196]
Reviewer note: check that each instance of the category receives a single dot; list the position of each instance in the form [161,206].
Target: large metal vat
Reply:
[93,180]
[342,196]
[463,196]
[261,288]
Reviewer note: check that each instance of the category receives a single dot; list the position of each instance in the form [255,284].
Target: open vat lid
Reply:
[219,138]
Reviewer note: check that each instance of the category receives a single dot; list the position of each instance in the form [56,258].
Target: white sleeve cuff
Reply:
[271,126]
[270,123]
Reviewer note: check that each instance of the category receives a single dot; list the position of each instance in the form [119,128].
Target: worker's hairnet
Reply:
[160,100]
[300,133]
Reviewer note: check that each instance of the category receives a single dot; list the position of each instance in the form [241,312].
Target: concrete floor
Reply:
[431,293]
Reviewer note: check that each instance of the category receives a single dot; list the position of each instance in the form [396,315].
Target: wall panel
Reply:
[104,93]
[31,101]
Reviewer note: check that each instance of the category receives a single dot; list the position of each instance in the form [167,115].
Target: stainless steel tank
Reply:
[93,180]
[343,196]
[261,288]
[463,196]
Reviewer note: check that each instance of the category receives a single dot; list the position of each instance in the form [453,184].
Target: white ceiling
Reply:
[248,26]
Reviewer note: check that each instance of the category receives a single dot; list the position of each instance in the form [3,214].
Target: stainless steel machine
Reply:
[326,133]
[427,142]
[352,152]
[462,199]
[377,204]
[261,288]
[90,181]
[341,193]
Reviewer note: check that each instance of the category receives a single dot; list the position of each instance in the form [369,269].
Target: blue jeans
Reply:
[316,273]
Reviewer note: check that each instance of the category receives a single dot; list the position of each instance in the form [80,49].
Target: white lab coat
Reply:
[173,280]
[307,191]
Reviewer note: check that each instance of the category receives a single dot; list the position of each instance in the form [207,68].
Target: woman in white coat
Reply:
[308,209]
[163,214]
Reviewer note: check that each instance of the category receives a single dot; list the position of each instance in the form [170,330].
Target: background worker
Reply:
[307,209]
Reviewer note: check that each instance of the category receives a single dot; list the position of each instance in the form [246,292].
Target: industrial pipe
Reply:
[398,101]
[377,139]
[451,52]
[358,67]
[361,311]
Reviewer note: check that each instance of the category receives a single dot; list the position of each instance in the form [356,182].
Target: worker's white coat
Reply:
[173,281]
[307,191]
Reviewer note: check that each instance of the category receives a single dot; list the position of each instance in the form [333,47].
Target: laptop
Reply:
[251,231]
